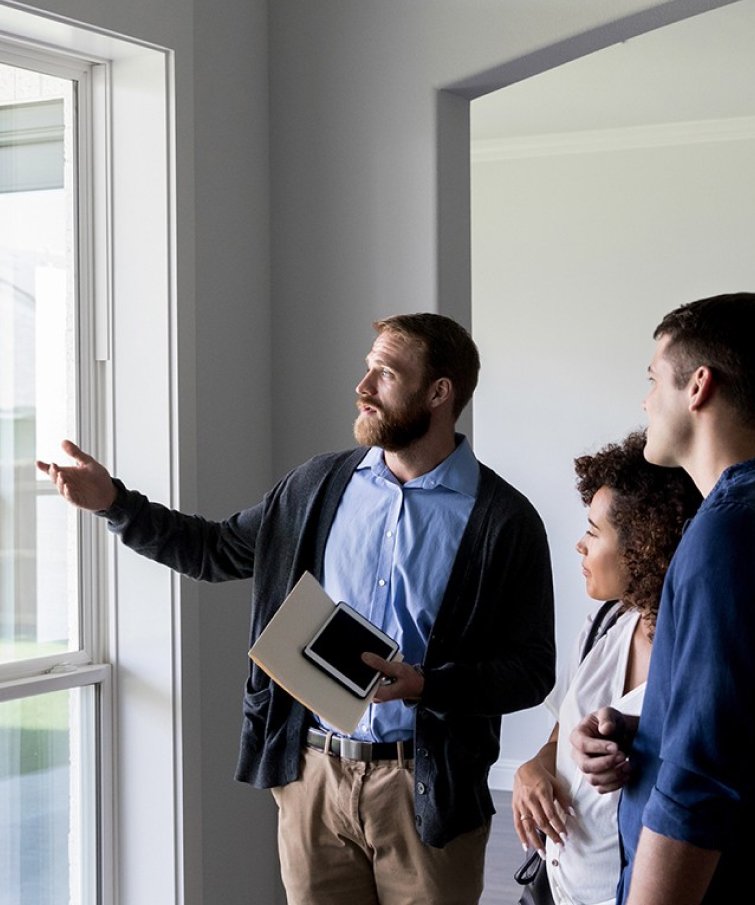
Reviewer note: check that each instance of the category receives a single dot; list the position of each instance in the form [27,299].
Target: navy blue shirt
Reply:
[692,760]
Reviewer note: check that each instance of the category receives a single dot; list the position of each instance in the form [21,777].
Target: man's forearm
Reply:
[669,872]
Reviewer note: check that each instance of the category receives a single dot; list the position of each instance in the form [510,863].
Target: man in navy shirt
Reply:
[686,768]
[426,541]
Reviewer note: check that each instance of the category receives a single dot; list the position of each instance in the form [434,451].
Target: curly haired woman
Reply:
[635,519]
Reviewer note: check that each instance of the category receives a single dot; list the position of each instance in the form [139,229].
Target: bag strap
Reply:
[529,868]
[604,619]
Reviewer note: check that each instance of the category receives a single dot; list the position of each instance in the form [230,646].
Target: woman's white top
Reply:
[585,870]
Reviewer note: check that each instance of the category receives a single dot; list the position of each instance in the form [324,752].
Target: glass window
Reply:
[49,696]
[80,127]
[39,611]
[47,799]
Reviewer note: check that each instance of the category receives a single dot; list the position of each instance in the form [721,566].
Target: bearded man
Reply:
[439,552]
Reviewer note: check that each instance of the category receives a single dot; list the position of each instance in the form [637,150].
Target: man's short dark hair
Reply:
[718,332]
[448,350]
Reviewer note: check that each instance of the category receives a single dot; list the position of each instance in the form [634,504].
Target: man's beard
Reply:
[394,430]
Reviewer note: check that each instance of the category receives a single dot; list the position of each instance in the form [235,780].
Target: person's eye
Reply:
[385,372]
[590,533]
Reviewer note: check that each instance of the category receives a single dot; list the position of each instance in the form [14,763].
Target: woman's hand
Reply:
[538,802]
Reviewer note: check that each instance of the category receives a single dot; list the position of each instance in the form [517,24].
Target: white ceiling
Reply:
[700,69]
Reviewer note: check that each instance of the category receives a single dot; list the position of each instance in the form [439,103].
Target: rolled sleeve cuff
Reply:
[689,808]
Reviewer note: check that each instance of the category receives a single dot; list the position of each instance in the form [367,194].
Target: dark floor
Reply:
[504,855]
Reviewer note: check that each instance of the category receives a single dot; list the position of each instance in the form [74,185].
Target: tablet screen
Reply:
[339,645]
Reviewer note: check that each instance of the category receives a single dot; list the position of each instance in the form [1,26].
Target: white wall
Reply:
[576,258]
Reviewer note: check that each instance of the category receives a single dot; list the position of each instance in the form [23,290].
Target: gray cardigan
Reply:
[491,650]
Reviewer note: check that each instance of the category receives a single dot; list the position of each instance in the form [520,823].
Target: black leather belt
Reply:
[354,749]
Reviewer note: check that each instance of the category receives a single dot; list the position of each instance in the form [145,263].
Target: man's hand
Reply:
[87,484]
[600,747]
[403,681]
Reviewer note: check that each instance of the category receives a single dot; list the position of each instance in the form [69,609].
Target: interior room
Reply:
[263,181]
[604,192]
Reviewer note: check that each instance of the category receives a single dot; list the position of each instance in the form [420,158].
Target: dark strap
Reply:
[529,868]
[604,619]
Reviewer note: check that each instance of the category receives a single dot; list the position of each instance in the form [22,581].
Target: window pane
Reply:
[47,798]
[38,543]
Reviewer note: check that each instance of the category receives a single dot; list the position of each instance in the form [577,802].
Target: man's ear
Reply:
[702,384]
[441,391]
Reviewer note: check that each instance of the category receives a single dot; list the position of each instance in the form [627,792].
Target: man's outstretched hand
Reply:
[87,484]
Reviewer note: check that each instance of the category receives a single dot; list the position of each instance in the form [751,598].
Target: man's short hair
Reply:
[718,332]
[448,350]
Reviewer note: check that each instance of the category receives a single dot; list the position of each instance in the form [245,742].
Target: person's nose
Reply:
[580,547]
[365,387]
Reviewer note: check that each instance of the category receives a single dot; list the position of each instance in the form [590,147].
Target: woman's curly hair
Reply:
[649,508]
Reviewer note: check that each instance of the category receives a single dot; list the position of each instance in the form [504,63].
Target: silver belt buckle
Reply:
[353,749]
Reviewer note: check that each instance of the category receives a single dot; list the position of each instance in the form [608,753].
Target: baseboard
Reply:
[502,775]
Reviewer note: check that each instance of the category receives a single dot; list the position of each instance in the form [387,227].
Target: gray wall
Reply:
[322,182]
[370,194]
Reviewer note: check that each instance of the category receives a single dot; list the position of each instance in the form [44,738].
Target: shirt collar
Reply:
[458,472]
[733,474]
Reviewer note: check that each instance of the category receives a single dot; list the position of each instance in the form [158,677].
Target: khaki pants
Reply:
[346,836]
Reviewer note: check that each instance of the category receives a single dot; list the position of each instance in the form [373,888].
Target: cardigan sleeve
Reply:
[200,548]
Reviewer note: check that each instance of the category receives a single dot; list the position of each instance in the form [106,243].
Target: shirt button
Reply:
[389,534]
[381,582]
[421,788]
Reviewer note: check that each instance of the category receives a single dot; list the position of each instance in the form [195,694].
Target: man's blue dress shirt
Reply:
[389,555]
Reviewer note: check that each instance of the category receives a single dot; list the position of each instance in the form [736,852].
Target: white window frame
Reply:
[132,642]
[87,78]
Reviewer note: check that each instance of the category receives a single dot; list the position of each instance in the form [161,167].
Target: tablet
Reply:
[338,646]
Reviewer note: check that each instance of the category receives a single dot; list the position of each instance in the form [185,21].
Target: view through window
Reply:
[47,738]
